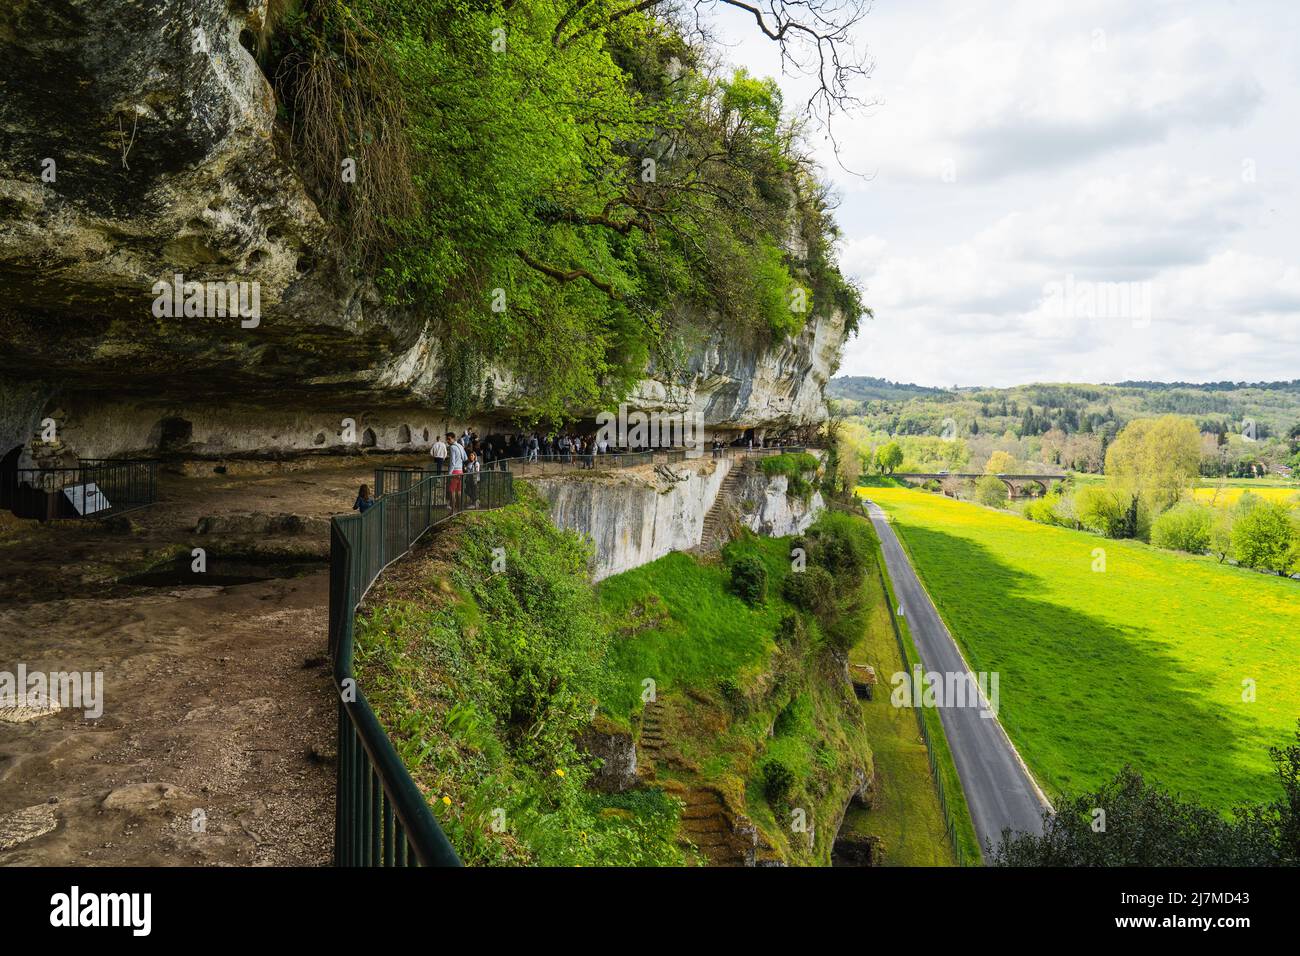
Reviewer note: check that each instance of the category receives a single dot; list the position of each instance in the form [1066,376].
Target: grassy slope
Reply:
[693,637]
[1143,663]
[483,679]
[690,630]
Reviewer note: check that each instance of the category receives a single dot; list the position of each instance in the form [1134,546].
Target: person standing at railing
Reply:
[439,453]
[456,460]
[532,447]
[472,469]
[365,500]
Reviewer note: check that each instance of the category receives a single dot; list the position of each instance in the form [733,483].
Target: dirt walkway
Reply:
[216,741]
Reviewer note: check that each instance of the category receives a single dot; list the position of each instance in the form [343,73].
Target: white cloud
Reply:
[1159,152]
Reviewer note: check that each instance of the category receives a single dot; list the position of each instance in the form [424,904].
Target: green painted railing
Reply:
[381,817]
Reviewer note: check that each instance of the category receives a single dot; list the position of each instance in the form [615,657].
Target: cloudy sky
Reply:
[1085,191]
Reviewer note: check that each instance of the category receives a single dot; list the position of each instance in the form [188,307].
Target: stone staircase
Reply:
[705,823]
[715,522]
[652,741]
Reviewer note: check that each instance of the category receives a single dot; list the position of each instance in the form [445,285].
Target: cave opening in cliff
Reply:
[368,439]
[172,434]
[404,435]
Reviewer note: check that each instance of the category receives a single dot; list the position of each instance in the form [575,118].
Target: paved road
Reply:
[998,789]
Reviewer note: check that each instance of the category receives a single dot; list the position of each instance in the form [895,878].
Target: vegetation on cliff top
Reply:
[544,179]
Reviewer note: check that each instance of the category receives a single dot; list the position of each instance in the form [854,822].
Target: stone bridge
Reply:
[1020,486]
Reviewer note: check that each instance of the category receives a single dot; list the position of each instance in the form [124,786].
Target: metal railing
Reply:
[381,816]
[574,461]
[565,462]
[93,488]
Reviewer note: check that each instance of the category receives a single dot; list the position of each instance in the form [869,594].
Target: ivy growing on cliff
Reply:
[562,188]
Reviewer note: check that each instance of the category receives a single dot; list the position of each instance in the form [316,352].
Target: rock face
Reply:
[637,516]
[736,387]
[634,517]
[768,509]
[141,142]
[617,752]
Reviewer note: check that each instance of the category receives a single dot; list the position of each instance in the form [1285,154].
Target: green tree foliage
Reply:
[991,491]
[1266,538]
[547,179]
[749,579]
[1146,826]
[1056,508]
[1221,534]
[810,590]
[1105,511]
[1184,527]
[1154,460]
[888,457]
[1000,463]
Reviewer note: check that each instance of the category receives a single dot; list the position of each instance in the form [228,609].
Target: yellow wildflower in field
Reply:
[1230,496]
[1112,651]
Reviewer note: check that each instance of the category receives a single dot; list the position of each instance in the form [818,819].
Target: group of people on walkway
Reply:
[466,457]
[495,451]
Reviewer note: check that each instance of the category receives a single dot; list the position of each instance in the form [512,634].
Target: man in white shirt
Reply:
[439,456]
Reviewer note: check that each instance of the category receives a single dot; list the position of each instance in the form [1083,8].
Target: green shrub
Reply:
[1054,508]
[1105,511]
[777,780]
[731,691]
[1184,527]
[749,579]
[791,631]
[790,464]
[1266,538]
[797,486]
[810,590]
[842,552]
[992,492]
[846,630]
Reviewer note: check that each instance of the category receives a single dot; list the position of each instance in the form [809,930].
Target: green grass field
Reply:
[1145,662]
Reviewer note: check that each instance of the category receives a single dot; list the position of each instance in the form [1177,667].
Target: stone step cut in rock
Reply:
[715,520]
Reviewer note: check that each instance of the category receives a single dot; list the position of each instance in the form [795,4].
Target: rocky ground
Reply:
[216,742]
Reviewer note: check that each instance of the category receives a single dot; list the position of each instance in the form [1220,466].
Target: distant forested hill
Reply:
[864,388]
[1247,428]
[1029,410]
